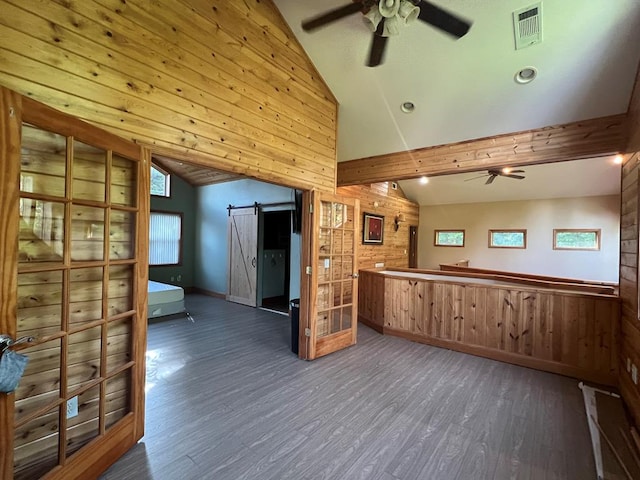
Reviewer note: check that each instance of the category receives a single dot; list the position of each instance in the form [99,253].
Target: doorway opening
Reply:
[274,271]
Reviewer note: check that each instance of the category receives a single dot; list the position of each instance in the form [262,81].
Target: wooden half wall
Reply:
[222,84]
[561,330]
[381,199]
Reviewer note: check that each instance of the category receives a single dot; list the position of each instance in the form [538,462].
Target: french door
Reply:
[73,256]
[330,292]
[243,255]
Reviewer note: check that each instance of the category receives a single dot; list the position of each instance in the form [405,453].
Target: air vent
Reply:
[527,26]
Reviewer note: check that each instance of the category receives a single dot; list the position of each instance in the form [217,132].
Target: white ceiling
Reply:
[465,89]
[580,178]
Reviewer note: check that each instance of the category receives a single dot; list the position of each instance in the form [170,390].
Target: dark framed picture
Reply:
[372,229]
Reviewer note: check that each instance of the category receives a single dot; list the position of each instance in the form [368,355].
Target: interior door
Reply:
[74,203]
[243,255]
[330,292]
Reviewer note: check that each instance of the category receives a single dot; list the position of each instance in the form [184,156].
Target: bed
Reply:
[165,299]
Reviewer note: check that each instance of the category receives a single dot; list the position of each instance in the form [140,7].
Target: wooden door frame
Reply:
[96,456]
[10,128]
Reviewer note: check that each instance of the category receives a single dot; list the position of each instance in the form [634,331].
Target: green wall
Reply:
[183,199]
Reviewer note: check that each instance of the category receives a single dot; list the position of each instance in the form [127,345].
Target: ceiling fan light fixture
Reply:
[424,180]
[389,8]
[526,75]
[372,18]
[407,107]
[408,11]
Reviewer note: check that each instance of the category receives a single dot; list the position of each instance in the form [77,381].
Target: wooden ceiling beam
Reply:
[571,141]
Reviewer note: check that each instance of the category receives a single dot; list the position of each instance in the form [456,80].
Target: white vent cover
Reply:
[527,25]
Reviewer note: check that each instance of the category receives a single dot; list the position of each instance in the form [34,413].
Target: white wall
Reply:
[211,245]
[539,218]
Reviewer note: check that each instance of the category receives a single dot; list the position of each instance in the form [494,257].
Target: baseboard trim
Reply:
[370,324]
[508,357]
[209,293]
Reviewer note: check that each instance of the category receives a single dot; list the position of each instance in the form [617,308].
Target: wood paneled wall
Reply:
[218,83]
[630,328]
[555,330]
[394,251]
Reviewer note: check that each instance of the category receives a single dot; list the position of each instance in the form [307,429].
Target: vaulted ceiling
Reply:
[465,89]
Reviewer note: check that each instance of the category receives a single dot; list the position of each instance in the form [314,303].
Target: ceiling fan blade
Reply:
[490,180]
[516,171]
[519,177]
[443,20]
[475,178]
[331,16]
[378,45]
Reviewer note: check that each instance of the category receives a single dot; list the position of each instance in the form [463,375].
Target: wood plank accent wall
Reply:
[572,141]
[558,331]
[390,203]
[222,84]
[630,327]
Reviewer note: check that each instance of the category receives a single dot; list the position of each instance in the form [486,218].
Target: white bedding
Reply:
[164,299]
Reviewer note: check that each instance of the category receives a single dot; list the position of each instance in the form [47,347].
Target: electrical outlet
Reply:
[173,278]
[628,365]
[179,277]
[634,373]
[379,265]
[72,407]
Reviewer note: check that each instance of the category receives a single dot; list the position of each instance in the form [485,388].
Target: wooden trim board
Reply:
[571,141]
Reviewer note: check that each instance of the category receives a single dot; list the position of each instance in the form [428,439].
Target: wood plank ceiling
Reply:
[194,175]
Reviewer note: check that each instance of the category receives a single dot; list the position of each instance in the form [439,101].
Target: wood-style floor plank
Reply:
[228,400]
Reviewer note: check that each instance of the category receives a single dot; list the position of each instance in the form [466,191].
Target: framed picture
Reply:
[372,229]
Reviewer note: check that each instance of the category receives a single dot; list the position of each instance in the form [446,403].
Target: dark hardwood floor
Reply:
[228,400]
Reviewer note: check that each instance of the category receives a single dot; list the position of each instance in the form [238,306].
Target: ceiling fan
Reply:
[386,17]
[493,174]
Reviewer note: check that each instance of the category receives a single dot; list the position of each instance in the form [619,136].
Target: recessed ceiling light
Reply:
[424,180]
[617,159]
[526,75]
[407,107]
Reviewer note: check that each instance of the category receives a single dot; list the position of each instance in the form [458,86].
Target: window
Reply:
[165,238]
[507,239]
[449,238]
[160,182]
[576,239]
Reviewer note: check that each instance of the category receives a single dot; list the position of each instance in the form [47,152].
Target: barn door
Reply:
[330,294]
[74,203]
[243,255]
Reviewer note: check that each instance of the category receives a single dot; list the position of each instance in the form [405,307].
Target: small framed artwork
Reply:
[372,229]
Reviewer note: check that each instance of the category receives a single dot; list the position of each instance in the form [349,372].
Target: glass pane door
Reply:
[78,216]
[336,220]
